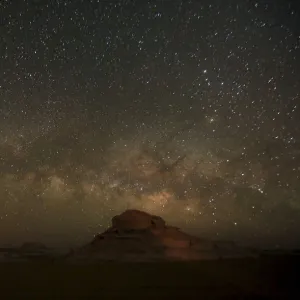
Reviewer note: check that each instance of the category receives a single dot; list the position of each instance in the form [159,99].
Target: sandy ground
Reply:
[263,278]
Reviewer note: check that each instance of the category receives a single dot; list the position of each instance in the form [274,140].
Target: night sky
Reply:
[185,109]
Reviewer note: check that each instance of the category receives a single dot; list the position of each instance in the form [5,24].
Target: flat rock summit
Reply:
[139,236]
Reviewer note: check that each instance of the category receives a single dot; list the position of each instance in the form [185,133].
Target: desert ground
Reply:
[268,277]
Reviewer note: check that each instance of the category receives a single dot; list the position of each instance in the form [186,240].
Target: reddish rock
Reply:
[138,236]
[136,219]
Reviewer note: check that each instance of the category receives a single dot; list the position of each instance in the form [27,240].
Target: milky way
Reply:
[185,109]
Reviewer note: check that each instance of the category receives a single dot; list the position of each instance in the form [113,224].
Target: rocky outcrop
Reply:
[138,236]
[136,219]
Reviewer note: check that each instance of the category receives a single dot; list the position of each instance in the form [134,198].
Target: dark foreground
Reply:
[274,277]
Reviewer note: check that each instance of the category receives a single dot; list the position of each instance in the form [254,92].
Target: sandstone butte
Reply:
[139,236]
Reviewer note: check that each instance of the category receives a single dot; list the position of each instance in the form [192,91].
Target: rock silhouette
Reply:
[138,236]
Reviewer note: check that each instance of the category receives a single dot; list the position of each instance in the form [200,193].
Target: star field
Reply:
[185,109]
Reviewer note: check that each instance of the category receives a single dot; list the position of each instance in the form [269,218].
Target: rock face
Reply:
[136,219]
[138,236]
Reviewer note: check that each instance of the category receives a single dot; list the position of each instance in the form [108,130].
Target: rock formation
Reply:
[136,219]
[138,236]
